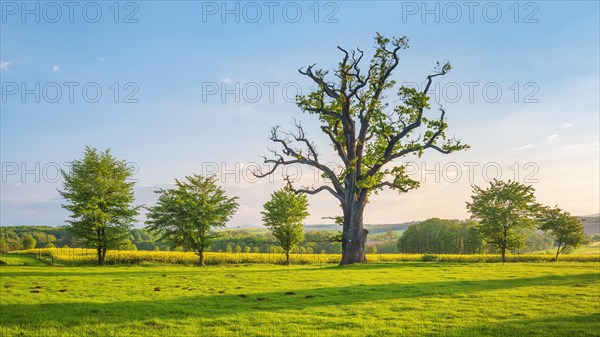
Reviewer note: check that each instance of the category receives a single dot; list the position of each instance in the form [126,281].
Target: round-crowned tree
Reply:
[99,195]
[283,215]
[187,215]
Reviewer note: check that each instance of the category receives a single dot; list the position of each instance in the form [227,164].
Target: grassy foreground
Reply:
[385,299]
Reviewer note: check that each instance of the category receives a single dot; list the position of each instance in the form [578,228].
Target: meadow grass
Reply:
[588,249]
[26,259]
[375,299]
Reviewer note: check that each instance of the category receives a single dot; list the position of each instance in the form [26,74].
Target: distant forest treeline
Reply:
[233,240]
[430,236]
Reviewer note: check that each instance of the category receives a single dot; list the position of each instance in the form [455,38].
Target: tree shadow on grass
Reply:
[215,306]
[580,326]
[399,265]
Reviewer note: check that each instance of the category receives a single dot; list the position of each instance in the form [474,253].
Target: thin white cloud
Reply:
[55,68]
[525,147]
[4,65]
[102,59]
[552,136]
[568,125]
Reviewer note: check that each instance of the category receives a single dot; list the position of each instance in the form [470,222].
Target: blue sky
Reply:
[171,54]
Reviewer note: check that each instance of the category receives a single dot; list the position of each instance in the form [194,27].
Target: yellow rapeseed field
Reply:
[80,256]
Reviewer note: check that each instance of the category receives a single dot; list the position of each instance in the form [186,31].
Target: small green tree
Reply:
[28,242]
[3,245]
[441,236]
[390,236]
[283,215]
[99,196]
[128,245]
[372,249]
[187,214]
[566,228]
[501,209]
[42,239]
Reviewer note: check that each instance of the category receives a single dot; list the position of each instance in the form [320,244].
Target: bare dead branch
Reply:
[318,78]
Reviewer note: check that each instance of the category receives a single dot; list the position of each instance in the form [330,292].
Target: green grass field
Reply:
[394,299]
[589,249]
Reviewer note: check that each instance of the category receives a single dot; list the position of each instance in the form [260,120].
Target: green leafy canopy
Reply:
[283,214]
[503,208]
[187,214]
[365,130]
[566,228]
[99,196]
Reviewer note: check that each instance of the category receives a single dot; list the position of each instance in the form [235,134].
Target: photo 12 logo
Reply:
[488,92]
[69,12]
[49,172]
[454,172]
[269,12]
[69,92]
[469,11]
[247,172]
[250,92]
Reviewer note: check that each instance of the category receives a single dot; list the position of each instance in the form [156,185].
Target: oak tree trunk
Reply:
[100,261]
[201,257]
[101,256]
[354,235]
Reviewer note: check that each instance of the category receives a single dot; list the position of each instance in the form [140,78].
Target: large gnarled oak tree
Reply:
[366,133]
